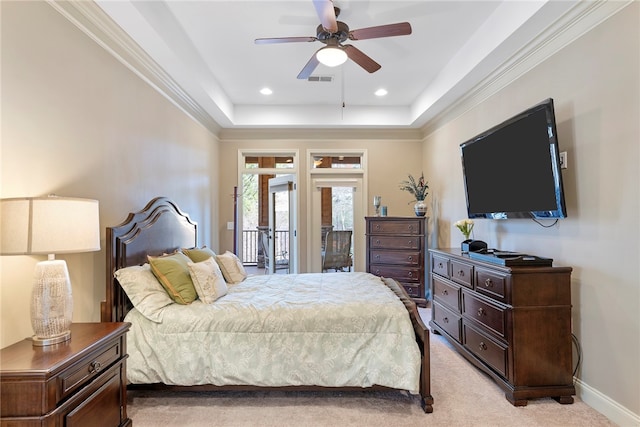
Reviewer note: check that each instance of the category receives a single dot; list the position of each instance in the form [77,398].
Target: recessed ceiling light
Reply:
[381,92]
[266,91]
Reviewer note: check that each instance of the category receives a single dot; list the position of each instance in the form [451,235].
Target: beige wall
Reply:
[76,122]
[595,86]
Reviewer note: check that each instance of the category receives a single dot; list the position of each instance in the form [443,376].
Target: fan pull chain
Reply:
[342,93]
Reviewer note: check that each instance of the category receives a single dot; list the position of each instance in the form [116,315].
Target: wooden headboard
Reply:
[161,227]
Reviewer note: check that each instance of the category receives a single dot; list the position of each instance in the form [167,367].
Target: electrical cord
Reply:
[576,343]
[542,225]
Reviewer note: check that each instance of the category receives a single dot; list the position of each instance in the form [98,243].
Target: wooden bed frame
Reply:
[161,227]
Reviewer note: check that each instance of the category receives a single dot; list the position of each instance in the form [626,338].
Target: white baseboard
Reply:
[606,406]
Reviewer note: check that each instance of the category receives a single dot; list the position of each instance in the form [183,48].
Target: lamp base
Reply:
[51,303]
[42,342]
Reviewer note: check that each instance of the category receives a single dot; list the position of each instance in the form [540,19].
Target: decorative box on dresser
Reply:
[514,323]
[397,248]
[80,382]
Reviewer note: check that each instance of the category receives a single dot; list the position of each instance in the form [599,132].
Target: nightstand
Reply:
[80,382]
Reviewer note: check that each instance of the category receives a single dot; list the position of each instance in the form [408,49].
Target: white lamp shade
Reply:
[48,225]
[331,56]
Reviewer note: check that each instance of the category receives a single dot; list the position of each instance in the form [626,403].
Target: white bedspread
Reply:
[331,329]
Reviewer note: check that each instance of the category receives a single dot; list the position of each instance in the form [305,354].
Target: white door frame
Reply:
[318,178]
[276,185]
[242,169]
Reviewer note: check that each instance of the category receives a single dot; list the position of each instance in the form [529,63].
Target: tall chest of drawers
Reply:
[514,323]
[397,248]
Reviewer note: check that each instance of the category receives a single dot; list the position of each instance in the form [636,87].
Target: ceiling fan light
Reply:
[331,56]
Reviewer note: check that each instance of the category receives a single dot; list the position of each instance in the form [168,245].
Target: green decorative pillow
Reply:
[208,280]
[199,254]
[231,267]
[172,272]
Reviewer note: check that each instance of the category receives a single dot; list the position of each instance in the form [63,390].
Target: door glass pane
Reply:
[250,219]
[281,162]
[281,234]
[337,215]
[336,162]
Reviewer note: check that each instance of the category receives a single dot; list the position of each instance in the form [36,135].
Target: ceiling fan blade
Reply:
[390,30]
[285,40]
[359,57]
[327,15]
[308,68]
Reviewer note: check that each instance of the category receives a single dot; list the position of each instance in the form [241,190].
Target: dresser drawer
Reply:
[395,257]
[401,274]
[447,320]
[440,265]
[414,290]
[446,293]
[88,368]
[490,315]
[492,284]
[98,404]
[462,273]
[493,353]
[394,242]
[402,226]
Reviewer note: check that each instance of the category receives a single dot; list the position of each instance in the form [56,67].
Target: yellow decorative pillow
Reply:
[208,280]
[231,267]
[172,272]
[199,254]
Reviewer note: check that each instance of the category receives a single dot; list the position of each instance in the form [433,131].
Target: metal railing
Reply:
[250,245]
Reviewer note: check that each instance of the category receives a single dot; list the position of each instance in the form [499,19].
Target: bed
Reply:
[313,331]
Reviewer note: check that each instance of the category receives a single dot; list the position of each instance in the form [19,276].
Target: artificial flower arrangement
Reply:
[465,226]
[419,189]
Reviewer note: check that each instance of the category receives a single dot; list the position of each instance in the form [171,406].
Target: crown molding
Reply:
[94,22]
[325,134]
[579,20]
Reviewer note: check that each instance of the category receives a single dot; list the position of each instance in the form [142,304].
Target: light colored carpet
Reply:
[463,396]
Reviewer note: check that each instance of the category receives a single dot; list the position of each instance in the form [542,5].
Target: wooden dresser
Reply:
[514,323]
[81,382]
[397,248]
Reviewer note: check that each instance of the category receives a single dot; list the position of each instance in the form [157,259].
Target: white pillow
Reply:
[208,280]
[231,267]
[144,291]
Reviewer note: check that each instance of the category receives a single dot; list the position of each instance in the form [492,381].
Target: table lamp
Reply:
[49,225]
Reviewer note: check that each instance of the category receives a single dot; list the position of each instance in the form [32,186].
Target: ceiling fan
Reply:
[333,33]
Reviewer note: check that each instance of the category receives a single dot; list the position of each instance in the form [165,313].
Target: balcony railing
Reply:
[250,245]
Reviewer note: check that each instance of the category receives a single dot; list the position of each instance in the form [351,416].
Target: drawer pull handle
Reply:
[410,242]
[377,226]
[377,256]
[461,273]
[94,367]
[377,272]
[445,292]
[410,258]
[440,265]
[445,320]
[410,227]
[482,346]
[488,283]
[481,312]
[377,241]
[410,274]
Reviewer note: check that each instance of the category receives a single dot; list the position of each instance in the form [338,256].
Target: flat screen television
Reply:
[513,169]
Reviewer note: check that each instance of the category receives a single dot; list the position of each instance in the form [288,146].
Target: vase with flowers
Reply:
[419,189]
[466,227]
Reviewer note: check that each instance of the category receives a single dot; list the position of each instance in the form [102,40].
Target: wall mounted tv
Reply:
[513,169]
